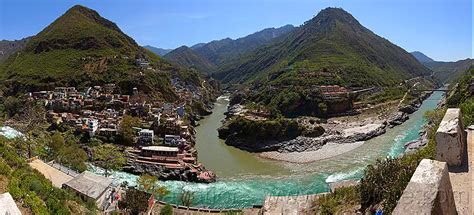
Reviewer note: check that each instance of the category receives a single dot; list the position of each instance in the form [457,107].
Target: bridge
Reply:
[430,90]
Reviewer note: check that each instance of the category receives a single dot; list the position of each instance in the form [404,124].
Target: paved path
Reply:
[57,177]
[462,179]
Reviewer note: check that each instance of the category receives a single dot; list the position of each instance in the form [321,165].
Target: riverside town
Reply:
[206,107]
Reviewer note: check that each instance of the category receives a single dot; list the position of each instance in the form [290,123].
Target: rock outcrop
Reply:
[166,174]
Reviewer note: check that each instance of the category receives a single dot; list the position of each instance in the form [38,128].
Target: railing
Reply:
[62,168]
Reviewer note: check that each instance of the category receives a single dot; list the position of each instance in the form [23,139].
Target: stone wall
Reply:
[428,192]
[451,138]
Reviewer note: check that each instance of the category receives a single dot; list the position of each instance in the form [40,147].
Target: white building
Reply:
[146,136]
[92,125]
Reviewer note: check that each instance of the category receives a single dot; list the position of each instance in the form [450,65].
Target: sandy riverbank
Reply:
[327,151]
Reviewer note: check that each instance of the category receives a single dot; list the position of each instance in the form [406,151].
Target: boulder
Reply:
[409,109]
[451,138]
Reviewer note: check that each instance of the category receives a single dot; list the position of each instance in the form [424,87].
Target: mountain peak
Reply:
[421,57]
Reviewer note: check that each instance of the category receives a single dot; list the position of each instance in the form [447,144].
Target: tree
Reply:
[67,153]
[135,201]
[108,157]
[127,132]
[186,198]
[148,183]
[73,156]
[28,119]
[57,143]
[166,210]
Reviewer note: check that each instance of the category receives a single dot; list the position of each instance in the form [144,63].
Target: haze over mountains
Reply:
[444,71]
[8,47]
[208,56]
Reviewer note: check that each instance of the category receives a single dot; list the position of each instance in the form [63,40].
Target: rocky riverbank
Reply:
[169,174]
[339,135]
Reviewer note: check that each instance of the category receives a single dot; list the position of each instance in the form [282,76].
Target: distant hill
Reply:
[421,57]
[220,51]
[444,71]
[81,48]
[188,58]
[158,51]
[331,48]
[8,47]
[449,71]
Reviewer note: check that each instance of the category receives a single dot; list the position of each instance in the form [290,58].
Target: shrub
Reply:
[332,203]
[166,210]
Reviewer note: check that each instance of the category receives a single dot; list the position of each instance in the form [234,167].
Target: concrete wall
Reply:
[428,192]
[451,138]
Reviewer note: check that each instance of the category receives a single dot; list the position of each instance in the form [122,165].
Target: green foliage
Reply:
[462,97]
[134,201]
[384,182]
[188,58]
[109,157]
[333,202]
[128,134]
[148,183]
[467,109]
[67,153]
[29,186]
[250,133]
[166,210]
[12,105]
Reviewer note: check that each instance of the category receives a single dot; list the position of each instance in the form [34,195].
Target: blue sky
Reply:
[442,29]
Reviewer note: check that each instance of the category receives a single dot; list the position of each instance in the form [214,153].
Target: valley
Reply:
[227,124]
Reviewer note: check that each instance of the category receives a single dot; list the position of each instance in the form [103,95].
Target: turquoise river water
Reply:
[245,179]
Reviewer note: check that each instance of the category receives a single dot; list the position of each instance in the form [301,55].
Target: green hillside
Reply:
[449,71]
[331,48]
[188,58]
[81,48]
[219,52]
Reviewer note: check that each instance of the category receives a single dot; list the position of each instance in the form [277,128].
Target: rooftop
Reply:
[90,184]
[7,205]
[160,148]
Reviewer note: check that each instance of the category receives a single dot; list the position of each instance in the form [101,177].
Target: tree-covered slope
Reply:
[219,52]
[188,58]
[81,48]
[331,48]
[449,71]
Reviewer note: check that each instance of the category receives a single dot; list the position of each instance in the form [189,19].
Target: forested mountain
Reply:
[8,47]
[220,51]
[449,71]
[188,58]
[81,48]
[444,71]
[158,51]
[332,48]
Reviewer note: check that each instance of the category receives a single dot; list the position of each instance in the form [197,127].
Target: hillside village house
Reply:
[89,186]
[146,136]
